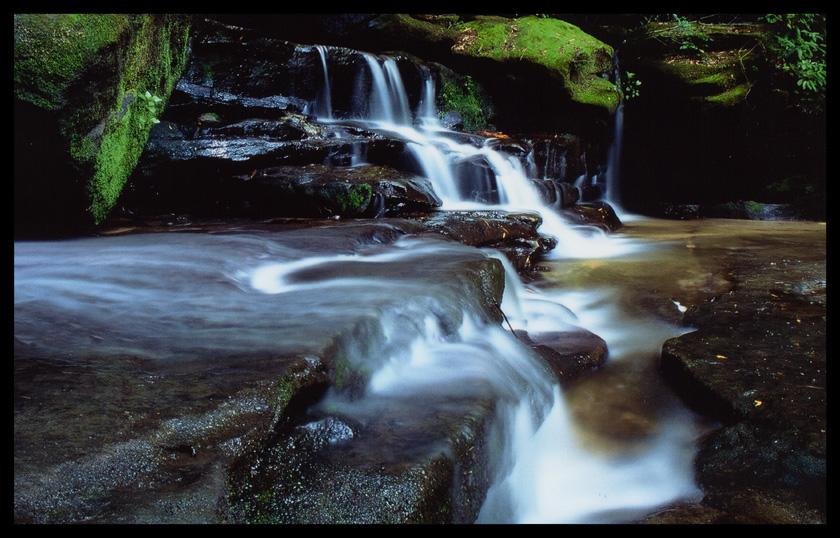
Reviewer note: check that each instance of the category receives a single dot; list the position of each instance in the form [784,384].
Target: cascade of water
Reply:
[536,433]
[396,93]
[380,108]
[325,103]
[426,110]
[613,172]
[439,157]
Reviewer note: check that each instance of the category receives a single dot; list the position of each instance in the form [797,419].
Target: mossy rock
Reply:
[87,90]
[462,94]
[717,78]
[572,58]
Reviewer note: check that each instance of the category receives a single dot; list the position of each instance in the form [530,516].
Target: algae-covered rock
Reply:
[570,56]
[87,89]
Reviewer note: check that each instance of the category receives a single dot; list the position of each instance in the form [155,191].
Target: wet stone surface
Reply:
[757,362]
[170,416]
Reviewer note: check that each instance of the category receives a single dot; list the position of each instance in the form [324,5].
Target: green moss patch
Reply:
[717,78]
[355,200]
[575,57]
[52,50]
[92,72]
[466,98]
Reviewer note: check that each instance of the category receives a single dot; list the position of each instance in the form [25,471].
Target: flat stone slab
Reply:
[147,366]
[757,362]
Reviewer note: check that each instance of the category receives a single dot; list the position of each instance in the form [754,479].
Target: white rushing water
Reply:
[441,158]
[325,106]
[544,471]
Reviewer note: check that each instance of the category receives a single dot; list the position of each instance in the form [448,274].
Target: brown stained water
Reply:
[634,302]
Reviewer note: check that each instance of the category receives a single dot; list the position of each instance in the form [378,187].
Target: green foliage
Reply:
[149,105]
[356,199]
[629,85]
[467,99]
[753,207]
[687,35]
[796,48]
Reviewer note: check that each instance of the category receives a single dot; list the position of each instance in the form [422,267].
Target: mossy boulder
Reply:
[87,90]
[574,60]
[536,70]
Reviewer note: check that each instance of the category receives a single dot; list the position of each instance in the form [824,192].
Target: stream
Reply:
[347,286]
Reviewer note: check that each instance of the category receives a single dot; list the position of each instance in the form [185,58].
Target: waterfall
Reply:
[426,110]
[613,172]
[388,98]
[442,160]
[325,102]
[397,92]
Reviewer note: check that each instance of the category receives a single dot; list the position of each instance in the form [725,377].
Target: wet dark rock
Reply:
[318,190]
[190,101]
[569,354]
[514,234]
[452,120]
[557,156]
[208,172]
[590,193]
[321,473]
[289,127]
[691,514]
[599,214]
[548,191]
[568,193]
[757,362]
[476,180]
[751,210]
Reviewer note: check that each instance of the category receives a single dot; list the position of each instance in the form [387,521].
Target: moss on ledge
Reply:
[574,56]
[88,72]
[717,78]
[577,60]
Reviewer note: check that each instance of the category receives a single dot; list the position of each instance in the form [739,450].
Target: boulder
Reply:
[87,91]
[599,214]
[514,234]
[569,354]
